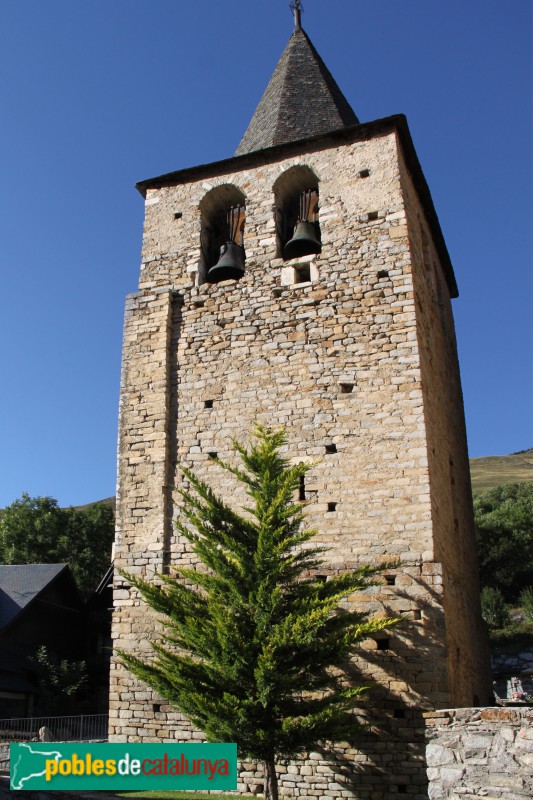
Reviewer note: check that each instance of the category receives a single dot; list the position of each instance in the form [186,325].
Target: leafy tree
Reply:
[493,608]
[255,645]
[504,533]
[526,601]
[34,530]
[61,682]
[87,541]
[30,531]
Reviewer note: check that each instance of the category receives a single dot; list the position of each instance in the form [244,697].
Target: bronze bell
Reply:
[230,265]
[304,241]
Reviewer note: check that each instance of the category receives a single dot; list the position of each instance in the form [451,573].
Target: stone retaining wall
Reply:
[519,664]
[480,753]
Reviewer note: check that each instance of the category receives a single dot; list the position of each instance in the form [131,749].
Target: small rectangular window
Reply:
[302,273]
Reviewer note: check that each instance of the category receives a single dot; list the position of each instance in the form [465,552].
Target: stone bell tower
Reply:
[305,283]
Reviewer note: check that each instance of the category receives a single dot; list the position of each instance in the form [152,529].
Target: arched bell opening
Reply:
[297,215]
[223,214]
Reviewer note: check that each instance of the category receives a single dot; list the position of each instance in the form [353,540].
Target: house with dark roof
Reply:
[40,604]
[99,648]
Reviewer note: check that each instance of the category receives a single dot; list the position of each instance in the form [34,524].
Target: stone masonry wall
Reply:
[338,362]
[451,495]
[480,753]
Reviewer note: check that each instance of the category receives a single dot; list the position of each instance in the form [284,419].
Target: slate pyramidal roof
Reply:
[302,100]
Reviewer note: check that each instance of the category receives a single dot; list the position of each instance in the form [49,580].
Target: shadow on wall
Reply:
[389,758]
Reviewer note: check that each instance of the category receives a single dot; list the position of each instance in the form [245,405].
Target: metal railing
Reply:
[81,728]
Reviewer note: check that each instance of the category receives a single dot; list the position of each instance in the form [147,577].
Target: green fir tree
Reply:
[255,643]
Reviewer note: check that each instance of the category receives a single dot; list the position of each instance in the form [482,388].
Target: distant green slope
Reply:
[492,471]
[109,501]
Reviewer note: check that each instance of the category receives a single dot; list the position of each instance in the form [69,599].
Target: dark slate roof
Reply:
[16,683]
[301,100]
[20,584]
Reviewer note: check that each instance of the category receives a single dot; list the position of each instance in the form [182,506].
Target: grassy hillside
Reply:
[109,501]
[492,471]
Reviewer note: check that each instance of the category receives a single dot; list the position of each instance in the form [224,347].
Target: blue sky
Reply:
[96,95]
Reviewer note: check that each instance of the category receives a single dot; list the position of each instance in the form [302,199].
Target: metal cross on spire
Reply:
[297,7]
